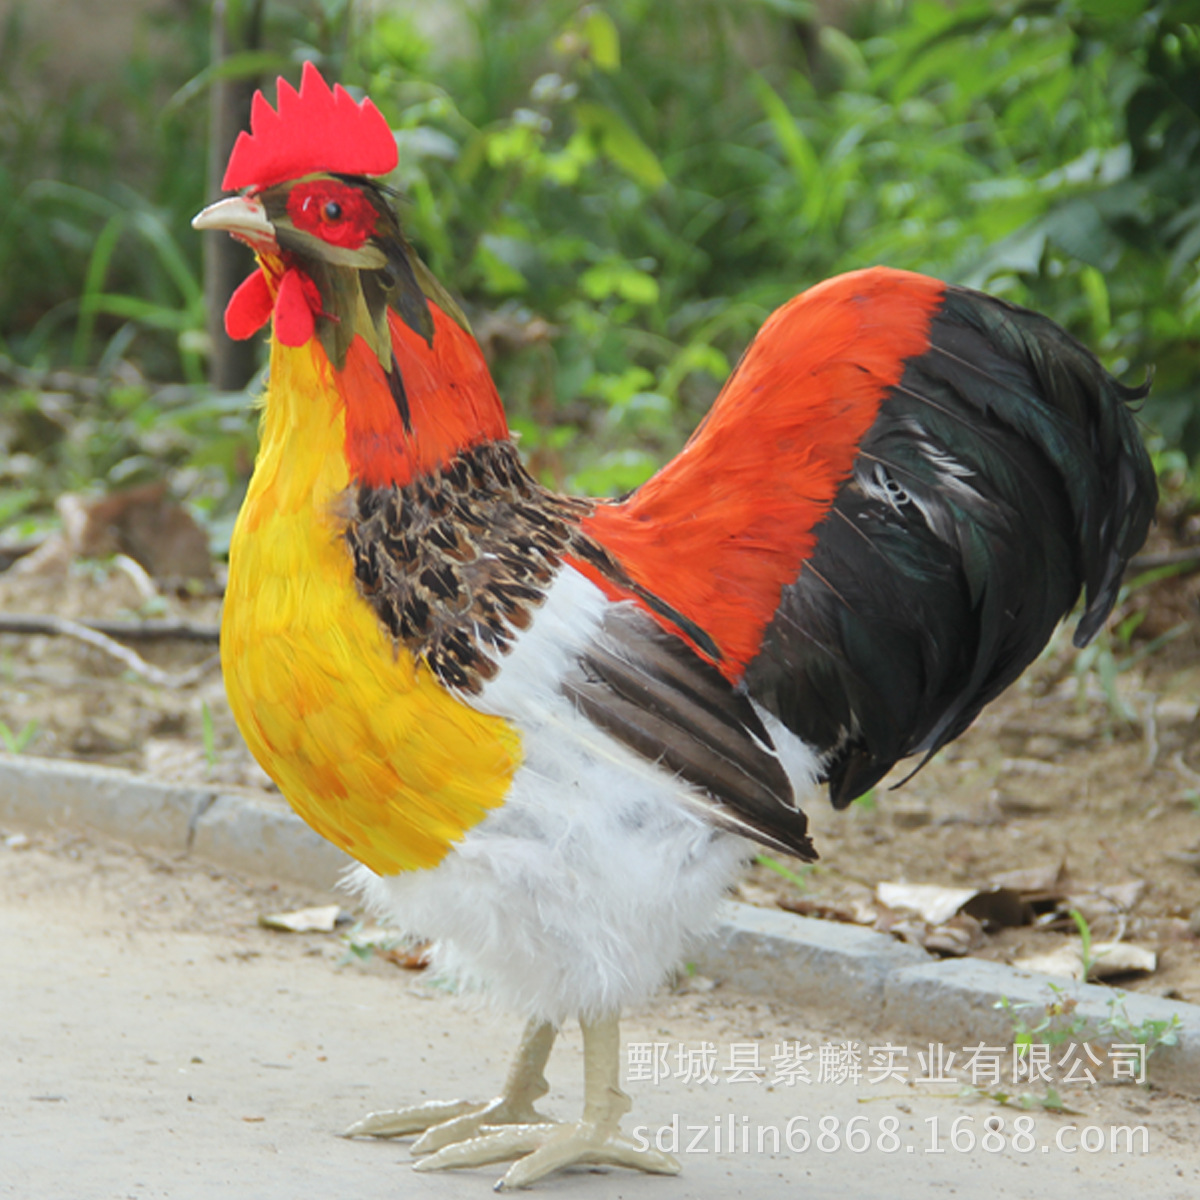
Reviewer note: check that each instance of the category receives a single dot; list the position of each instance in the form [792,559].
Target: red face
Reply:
[335,212]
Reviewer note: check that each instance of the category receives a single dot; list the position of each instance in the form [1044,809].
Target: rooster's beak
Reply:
[242,216]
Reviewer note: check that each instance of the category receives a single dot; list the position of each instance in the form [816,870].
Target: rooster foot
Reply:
[447,1122]
[540,1148]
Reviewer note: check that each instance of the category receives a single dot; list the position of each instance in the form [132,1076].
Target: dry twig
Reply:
[154,630]
[64,627]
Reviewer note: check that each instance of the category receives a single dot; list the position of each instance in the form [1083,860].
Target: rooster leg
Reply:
[444,1122]
[596,1139]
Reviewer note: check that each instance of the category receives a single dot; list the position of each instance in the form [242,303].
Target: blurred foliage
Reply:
[621,193]
[98,181]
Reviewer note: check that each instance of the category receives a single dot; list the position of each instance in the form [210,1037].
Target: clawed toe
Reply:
[418,1118]
[443,1123]
[542,1149]
[469,1126]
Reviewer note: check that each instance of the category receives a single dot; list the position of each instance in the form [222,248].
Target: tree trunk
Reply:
[226,262]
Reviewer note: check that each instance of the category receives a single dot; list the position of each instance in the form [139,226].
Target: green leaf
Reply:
[17,742]
[102,253]
[157,316]
[796,147]
[515,143]
[1095,291]
[1021,252]
[1078,229]
[617,278]
[698,356]
[798,878]
[499,276]
[247,64]
[615,474]
[618,142]
[603,39]
[617,390]
[796,10]
[396,36]
[14,501]
[1112,10]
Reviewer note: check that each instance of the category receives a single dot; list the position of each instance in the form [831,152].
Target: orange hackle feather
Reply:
[452,403]
[729,522]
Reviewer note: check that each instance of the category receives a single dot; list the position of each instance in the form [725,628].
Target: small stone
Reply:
[1044,747]
[910,815]
[1017,804]
[102,735]
[695,985]
[1175,711]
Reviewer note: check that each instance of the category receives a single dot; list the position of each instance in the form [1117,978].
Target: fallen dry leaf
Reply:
[1108,959]
[905,926]
[142,522]
[1036,882]
[957,936]
[303,920]
[996,907]
[1109,900]
[930,901]
[411,958]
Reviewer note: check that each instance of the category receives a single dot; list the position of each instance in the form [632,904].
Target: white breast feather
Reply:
[590,883]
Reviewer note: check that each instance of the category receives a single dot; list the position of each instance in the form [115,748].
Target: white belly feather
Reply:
[596,875]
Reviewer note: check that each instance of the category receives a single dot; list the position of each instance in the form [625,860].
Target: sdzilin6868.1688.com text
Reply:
[730,1134]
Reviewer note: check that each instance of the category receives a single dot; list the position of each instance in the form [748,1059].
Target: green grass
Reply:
[208,735]
[1057,1021]
[798,877]
[19,742]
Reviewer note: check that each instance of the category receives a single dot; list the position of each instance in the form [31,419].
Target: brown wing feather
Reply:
[650,691]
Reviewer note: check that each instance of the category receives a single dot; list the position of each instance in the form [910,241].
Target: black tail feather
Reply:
[1003,475]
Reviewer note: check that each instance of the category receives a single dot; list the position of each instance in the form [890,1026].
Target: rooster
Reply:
[552,729]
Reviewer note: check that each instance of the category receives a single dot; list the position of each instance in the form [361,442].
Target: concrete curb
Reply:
[952,1002]
[821,964]
[244,831]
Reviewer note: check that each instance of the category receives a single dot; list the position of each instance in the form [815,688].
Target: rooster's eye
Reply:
[335,212]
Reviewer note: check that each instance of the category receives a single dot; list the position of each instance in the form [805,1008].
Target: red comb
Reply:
[315,129]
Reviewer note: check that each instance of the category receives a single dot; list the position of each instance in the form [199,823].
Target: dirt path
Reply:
[156,1042]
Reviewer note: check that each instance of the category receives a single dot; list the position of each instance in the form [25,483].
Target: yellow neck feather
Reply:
[365,744]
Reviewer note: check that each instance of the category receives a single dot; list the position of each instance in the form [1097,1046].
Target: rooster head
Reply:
[332,258]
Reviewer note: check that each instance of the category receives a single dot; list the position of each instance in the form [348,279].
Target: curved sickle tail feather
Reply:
[1002,475]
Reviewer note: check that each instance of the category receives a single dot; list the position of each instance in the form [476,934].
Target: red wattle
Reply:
[249,308]
[294,304]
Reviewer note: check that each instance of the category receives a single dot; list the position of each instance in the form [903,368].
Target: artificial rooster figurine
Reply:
[552,729]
